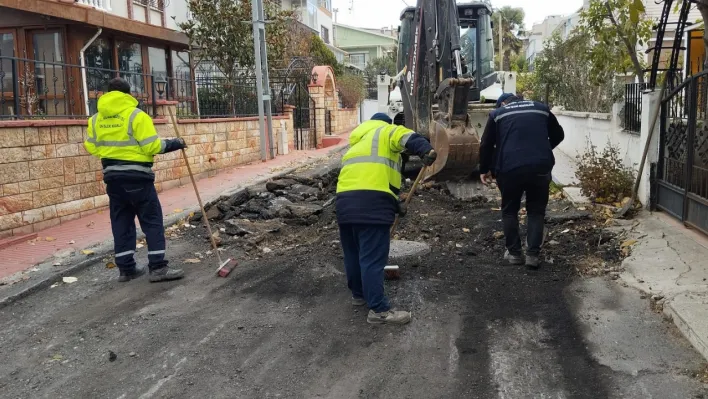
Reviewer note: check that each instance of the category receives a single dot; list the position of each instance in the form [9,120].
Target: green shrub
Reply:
[352,89]
[603,177]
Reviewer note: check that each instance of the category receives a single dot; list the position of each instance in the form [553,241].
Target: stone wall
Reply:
[47,177]
[345,120]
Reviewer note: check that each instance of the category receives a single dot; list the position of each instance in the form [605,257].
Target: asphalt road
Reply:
[281,326]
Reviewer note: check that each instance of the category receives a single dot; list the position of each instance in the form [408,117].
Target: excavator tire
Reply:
[458,152]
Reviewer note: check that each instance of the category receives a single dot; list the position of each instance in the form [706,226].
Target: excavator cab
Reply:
[447,53]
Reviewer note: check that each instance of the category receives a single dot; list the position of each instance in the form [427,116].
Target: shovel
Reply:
[631,201]
[392,272]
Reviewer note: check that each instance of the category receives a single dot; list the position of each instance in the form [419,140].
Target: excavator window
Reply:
[468,44]
[486,45]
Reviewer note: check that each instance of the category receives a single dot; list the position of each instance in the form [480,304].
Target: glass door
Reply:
[158,69]
[47,96]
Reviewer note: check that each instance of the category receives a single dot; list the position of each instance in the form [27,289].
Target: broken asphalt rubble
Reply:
[295,200]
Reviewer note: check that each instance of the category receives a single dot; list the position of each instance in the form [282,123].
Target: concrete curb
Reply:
[686,327]
[106,248]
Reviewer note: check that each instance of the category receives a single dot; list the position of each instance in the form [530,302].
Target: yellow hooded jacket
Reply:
[370,179]
[123,137]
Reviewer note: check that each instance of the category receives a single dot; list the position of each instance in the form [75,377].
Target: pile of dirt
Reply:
[297,200]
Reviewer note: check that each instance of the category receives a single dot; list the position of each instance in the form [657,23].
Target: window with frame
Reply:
[130,65]
[326,4]
[7,49]
[358,59]
[149,11]
[324,32]
[158,5]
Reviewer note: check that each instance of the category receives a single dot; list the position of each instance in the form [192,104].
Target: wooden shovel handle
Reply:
[410,195]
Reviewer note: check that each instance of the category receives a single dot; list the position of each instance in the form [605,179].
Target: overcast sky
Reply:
[380,13]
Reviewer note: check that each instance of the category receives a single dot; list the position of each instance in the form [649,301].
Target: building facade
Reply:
[317,15]
[364,45]
[539,34]
[71,48]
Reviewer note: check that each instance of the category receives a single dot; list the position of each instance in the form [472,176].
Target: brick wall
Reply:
[47,177]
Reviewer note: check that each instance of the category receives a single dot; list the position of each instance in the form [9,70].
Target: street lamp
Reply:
[314,77]
[160,84]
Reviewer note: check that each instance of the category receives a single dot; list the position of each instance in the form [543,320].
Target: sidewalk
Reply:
[564,175]
[69,238]
[668,262]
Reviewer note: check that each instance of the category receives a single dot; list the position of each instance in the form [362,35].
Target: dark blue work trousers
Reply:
[365,249]
[534,182]
[128,199]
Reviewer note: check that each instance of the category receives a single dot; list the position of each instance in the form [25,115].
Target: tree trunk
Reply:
[631,48]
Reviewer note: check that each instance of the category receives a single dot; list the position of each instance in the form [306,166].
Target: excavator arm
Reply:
[442,71]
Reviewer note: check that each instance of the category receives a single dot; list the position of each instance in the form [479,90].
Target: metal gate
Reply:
[328,122]
[304,117]
[681,187]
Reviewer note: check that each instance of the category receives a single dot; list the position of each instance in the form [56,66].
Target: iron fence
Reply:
[208,93]
[50,89]
[633,106]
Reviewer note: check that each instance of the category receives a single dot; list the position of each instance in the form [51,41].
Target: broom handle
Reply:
[194,184]
[410,195]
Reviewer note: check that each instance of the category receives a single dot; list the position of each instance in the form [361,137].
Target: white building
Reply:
[317,15]
[539,34]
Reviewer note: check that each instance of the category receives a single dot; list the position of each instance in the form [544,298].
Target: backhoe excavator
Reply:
[446,59]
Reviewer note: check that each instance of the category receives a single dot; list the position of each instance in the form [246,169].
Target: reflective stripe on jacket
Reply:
[122,132]
[374,162]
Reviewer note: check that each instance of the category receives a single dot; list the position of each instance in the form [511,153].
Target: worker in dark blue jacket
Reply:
[367,203]
[517,149]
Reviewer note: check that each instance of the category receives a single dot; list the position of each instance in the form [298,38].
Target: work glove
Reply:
[402,209]
[182,144]
[430,157]
[174,145]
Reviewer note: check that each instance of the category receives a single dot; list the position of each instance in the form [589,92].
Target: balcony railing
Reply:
[103,5]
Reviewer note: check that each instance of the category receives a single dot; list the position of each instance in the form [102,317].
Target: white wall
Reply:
[177,9]
[580,127]
[368,109]
[599,129]
[119,8]
[325,20]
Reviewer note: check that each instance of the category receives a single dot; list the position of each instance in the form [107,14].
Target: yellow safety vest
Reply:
[122,132]
[374,161]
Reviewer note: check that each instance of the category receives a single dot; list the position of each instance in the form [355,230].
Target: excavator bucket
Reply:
[458,151]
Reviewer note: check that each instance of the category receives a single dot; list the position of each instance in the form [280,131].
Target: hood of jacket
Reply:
[115,102]
[365,128]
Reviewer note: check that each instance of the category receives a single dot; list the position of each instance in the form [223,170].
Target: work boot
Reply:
[389,317]
[358,301]
[516,260]
[126,276]
[533,262]
[165,274]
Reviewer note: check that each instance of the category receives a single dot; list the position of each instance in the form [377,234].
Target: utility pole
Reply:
[501,42]
[262,81]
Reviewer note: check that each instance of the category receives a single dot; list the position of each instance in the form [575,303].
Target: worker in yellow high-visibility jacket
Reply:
[125,140]
[367,203]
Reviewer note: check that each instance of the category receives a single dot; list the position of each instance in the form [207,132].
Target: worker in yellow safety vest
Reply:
[367,203]
[125,140]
